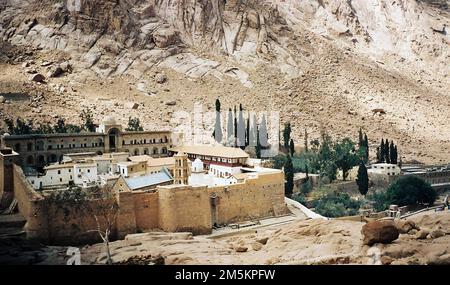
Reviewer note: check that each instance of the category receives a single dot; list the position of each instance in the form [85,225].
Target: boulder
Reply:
[66,66]
[165,37]
[256,246]
[263,241]
[2,99]
[55,72]
[381,231]
[37,77]
[160,78]
[422,234]
[241,249]
[171,103]
[405,226]
[131,105]
[437,233]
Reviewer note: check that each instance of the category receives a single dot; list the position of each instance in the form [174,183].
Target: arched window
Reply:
[145,151]
[17,147]
[52,158]
[155,151]
[29,146]
[164,150]
[40,145]
[30,160]
[41,159]
[136,152]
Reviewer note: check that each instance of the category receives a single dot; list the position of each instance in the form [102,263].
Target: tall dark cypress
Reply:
[289,177]
[379,159]
[387,157]
[392,152]
[361,139]
[382,151]
[292,147]
[363,179]
[366,144]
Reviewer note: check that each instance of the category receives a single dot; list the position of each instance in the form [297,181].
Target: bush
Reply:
[411,190]
[301,199]
[306,187]
[336,204]
[380,200]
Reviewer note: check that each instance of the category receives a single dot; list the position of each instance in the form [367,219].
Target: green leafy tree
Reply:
[44,129]
[134,125]
[60,127]
[88,120]
[411,190]
[379,200]
[363,179]
[73,129]
[337,204]
[326,161]
[346,156]
[289,177]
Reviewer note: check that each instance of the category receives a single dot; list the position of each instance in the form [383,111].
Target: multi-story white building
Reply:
[65,174]
[384,169]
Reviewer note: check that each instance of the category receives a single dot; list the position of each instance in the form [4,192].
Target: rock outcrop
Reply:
[381,231]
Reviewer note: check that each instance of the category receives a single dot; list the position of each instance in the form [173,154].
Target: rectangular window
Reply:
[59,171]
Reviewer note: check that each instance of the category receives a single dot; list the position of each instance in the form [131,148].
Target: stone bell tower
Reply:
[181,169]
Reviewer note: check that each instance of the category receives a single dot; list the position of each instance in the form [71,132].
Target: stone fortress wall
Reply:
[170,208]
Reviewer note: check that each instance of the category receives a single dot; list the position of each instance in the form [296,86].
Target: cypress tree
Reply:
[230,129]
[392,153]
[235,127]
[287,135]
[363,179]
[263,135]
[292,147]
[218,135]
[379,159]
[258,144]
[395,155]
[366,144]
[387,157]
[247,131]
[382,151]
[306,140]
[289,177]
[361,139]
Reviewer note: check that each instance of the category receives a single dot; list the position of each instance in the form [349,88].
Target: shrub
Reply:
[336,204]
[411,190]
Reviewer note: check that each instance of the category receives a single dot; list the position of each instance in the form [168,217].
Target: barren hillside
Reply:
[322,64]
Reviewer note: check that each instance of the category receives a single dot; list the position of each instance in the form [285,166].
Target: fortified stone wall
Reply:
[184,209]
[171,208]
[254,199]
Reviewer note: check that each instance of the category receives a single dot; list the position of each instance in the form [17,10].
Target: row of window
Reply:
[40,146]
[144,141]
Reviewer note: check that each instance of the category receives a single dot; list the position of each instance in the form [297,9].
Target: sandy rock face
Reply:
[379,232]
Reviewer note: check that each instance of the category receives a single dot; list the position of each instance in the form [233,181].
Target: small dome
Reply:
[109,121]
[197,166]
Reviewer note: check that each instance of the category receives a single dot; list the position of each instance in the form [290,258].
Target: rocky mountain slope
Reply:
[322,64]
